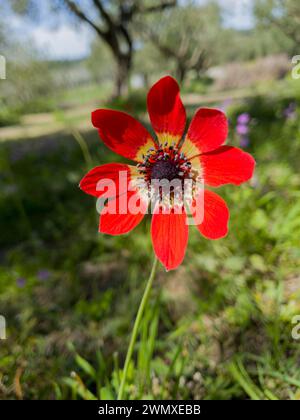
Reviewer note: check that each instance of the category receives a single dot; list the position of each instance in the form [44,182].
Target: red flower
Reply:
[202,156]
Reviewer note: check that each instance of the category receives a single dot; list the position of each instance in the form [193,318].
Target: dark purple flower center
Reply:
[164,170]
[165,164]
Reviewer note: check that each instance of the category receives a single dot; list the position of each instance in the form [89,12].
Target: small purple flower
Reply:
[242,130]
[244,119]
[43,275]
[244,141]
[290,112]
[21,282]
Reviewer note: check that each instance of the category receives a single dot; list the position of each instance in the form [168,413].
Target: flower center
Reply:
[166,174]
[164,170]
[164,163]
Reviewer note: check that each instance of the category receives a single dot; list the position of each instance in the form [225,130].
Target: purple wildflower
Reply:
[244,141]
[242,130]
[290,112]
[244,119]
[43,275]
[21,282]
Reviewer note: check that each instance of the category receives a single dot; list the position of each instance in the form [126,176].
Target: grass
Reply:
[84,94]
[217,328]
[64,100]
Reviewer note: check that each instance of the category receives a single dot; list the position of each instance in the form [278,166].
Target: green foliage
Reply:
[133,103]
[8,116]
[28,86]
[245,45]
[100,63]
[282,16]
[185,37]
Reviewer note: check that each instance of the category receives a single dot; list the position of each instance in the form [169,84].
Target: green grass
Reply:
[64,99]
[85,94]
[217,328]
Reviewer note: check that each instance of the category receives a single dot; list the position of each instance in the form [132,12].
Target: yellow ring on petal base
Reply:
[189,149]
[196,165]
[167,139]
[144,150]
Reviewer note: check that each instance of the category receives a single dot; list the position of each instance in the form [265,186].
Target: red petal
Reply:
[227,165]
[169,237]
[122,133]
[166,111]
[117,176]
[208,131]
[123,220]
[216,216]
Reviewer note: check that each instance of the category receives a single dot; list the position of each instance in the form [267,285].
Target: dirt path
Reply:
[38,125]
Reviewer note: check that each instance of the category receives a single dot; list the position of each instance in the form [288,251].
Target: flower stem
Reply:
[136,326]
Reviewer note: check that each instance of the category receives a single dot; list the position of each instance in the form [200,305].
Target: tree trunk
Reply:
[122,75]
[181,73]
[146,81]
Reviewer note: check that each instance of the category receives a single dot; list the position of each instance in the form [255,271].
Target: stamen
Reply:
[167,163]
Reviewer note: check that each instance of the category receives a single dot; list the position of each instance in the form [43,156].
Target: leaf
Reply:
[85,366]
[106,394]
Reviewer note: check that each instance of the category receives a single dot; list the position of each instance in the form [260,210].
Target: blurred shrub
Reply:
[134,102]
[8,116]
[28,86]
[200,86]
[239,75]
[100,63]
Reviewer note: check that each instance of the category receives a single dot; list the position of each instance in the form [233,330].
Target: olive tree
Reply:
[112,21]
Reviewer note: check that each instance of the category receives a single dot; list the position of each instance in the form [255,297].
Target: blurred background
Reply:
[219,327]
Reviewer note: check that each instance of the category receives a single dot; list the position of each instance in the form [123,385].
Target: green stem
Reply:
[84,148]
[136,326]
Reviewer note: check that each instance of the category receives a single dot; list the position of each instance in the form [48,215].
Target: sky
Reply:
[69,42]
[63,42]
[238,13]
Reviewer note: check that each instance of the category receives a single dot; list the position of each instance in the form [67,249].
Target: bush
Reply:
[134,102]
[9,116]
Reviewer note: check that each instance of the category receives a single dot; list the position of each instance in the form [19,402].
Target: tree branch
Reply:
[165,49]
[155,8]
[103,12]
[81,15]
[126,36]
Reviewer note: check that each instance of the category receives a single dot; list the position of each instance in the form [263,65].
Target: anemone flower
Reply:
[197,160]
[200,157]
